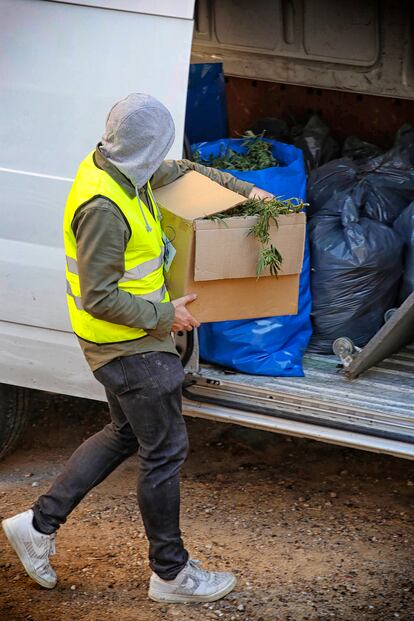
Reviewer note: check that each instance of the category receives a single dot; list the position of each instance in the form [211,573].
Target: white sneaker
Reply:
[32,548]
[192,584]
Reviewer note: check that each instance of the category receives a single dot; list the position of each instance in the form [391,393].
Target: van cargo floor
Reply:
[375,411]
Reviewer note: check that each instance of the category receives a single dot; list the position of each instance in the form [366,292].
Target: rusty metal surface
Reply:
[369,117]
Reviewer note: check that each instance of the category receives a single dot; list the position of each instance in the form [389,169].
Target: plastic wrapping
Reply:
[381,186]
[206,114]
[404,225]
[358,149]
[337,176]
[275,129]
[386,186]
[318,146]
[314,138]
[404,139]
[356,267]
[272,345]
[287,180]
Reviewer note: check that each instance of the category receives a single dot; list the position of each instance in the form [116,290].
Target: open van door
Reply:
[64,64]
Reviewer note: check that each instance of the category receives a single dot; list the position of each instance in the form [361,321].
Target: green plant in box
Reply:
[267,211]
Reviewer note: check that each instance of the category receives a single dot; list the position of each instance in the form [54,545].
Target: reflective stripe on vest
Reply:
[72,265]
[143,258]
[155,296]
[76,298]
[144,269]
[135,273]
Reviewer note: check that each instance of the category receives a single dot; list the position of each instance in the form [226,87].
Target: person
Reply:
[122,315]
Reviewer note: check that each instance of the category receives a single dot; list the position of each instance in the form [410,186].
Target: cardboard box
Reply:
[217,259]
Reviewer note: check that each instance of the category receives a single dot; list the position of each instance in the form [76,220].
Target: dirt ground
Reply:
[313,532]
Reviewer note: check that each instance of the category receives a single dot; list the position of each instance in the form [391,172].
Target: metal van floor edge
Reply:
[374,412]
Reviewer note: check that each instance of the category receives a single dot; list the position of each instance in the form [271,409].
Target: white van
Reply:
[64,63]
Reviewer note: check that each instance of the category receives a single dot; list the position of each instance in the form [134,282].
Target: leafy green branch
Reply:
[256,156]
[267,212]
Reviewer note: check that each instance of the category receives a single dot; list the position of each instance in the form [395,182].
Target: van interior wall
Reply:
[371,118]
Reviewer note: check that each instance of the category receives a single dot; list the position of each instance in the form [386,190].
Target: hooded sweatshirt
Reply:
[139,133]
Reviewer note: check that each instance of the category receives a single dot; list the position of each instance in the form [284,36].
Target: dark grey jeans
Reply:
[144,396]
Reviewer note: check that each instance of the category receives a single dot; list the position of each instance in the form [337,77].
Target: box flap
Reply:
[196,196]
[224,250]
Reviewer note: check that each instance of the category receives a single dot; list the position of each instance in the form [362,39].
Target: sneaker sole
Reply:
[175,598]
[24,559]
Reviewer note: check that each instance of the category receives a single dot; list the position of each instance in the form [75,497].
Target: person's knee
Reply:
[175,451]
[165,461]
[182,446]
[121,437]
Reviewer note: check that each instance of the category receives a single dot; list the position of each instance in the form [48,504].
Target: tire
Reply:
[14,415]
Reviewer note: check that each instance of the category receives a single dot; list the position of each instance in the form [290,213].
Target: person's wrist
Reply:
[258,193]
[166,318]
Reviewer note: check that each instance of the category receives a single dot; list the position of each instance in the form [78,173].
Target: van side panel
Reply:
[62,67]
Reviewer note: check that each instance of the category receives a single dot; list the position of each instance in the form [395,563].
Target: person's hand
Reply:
[261,194]
[183,320]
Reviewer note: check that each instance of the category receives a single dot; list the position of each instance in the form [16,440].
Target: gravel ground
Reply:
[313,532]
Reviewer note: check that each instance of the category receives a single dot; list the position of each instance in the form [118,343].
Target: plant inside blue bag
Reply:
[272,345]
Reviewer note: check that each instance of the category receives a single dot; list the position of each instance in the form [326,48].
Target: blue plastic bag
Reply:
[272,345]
[206,112]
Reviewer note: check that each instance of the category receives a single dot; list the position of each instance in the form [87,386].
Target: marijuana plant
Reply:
[267,211]
[256,156]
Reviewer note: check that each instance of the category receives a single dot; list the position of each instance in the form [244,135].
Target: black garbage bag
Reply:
[317,143]
[358,149]
[313,137]
[356,268]
[404,139]
[404,225]
[382,186]
[336,176]
[386,185]
[273,128]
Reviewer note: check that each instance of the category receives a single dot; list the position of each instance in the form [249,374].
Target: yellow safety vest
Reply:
[144,254]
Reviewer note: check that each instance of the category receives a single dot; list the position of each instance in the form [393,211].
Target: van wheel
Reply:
[14,414]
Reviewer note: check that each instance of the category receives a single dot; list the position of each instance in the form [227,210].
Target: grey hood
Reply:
[138,135]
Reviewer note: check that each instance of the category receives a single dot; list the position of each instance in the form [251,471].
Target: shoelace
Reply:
[195,564]
[45,565]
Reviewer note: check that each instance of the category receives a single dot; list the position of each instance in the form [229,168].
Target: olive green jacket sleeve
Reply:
[101,237]
[170,170]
